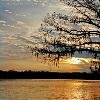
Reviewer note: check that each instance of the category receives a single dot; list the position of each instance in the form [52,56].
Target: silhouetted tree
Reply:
[63,35]
[95,68]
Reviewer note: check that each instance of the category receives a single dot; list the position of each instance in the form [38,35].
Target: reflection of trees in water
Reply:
[63,35]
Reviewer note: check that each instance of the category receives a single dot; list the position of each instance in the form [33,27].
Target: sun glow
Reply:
[75,60]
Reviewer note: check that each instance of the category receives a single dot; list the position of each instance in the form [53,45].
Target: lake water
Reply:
[49,90]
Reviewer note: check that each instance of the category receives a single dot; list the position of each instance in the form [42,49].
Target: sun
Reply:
[74,60]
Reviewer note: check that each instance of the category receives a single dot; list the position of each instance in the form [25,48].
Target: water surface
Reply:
[49,90]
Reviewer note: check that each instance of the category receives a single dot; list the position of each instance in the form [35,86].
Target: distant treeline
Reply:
[48,75]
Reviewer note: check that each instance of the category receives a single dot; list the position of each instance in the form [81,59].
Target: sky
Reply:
[19,21]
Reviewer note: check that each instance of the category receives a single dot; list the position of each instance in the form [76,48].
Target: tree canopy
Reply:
[76,31]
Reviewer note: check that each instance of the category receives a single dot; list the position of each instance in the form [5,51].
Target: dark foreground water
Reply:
[49,90]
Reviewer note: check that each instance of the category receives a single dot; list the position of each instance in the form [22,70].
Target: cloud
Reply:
[8,25]
[2,21]
[40,2]
[1,31]
[20,23]
[8,11]
[18,0]
[23,15]
[60,6]
[9,53]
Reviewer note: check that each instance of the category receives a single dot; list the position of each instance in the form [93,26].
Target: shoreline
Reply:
[48,75]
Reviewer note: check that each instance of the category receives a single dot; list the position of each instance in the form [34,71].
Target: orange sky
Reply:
[32,63]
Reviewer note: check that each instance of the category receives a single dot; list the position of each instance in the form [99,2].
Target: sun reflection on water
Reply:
[73,90]
[49,90]
[78,92]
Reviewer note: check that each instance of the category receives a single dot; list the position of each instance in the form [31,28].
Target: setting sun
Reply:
[75,60]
